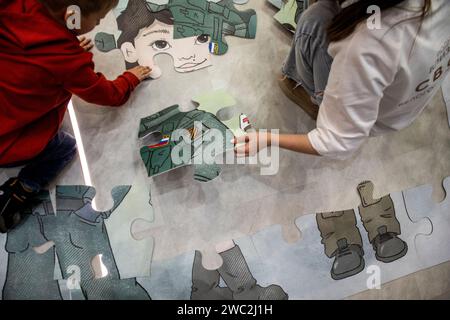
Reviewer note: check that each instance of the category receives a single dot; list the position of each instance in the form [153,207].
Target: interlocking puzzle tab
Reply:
[216,19]
[162,139]
[432,248]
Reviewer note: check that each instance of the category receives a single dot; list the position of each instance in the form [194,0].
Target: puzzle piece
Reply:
[185,277]
[135,206]
[216,19]
[303,270]
[201,130]
[433,248]
[236,275]
[79,235]
[289,12]
[145,35]
[217,101]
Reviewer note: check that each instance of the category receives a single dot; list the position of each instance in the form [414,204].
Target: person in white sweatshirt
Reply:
[364,79]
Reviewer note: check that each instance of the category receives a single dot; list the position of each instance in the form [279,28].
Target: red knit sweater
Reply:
[41,66]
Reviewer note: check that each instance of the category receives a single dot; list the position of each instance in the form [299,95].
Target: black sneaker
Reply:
[14,199]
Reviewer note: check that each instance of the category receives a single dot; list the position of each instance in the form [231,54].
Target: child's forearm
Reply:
[294,142]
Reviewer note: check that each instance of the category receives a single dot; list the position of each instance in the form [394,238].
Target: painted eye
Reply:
[161,45]
[204,38]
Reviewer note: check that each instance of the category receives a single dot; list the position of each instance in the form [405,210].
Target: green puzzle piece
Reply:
[157,156]
[197,17]
[290,12]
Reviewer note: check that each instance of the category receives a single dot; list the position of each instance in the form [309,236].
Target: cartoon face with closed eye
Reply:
[149,34]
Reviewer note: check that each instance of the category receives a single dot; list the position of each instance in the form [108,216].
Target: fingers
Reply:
[142,72]
[246,146]
[241,139]
[242,150]
[86,44]
[145,72]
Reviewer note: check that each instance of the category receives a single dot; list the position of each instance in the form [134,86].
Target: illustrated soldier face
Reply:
[189,54]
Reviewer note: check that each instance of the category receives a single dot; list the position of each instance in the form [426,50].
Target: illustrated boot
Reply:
[205,283]
[14,199]
[237,276]
[349,260]
[388,246]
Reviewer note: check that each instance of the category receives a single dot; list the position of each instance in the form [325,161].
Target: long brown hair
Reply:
[345,23]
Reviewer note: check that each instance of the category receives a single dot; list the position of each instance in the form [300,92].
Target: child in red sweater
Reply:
[43,63]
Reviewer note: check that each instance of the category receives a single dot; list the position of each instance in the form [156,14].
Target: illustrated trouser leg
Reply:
[114,289]
[381,224]
[236,274]
[376,213]
[205,283]
[77,244]
[335,226]
[30,274]
[110,287]
[82,244]
[342,240]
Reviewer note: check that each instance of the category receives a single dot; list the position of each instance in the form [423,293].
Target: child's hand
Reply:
[86,44]
[141,73]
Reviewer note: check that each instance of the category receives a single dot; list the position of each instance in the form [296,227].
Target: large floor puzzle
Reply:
[302,269]
[258,267]
[270,217]
[301,186]
[289,12]
[385,160]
